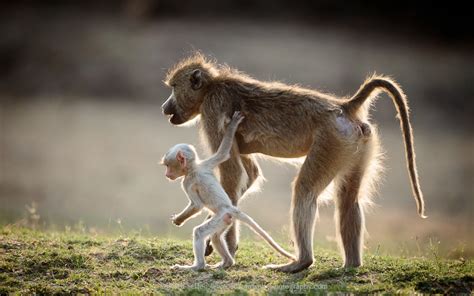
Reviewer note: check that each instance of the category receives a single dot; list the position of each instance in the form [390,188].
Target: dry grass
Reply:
[34,262]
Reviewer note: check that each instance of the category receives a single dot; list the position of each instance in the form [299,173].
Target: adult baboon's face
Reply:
[186,96]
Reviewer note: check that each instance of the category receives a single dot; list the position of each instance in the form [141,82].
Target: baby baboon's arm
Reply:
[223,153]
[190,210]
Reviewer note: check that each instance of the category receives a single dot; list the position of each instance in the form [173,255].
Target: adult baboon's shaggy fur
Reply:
[289,121]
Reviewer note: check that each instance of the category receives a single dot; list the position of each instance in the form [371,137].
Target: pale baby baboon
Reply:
[205,192]
[289,121]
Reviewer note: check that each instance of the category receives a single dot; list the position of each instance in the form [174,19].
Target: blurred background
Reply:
[81,129]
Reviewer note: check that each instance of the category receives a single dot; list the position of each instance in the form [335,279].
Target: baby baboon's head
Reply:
[178,160]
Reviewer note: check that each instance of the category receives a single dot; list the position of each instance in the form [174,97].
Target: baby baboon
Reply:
[288,121]
[204,191]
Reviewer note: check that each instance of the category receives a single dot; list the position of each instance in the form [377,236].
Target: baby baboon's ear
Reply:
[196,79]
[181,159]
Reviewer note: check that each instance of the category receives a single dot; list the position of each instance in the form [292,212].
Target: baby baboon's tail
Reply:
[262,233]
[365,92]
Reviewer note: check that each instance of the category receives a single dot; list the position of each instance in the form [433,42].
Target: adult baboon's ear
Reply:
[196,79]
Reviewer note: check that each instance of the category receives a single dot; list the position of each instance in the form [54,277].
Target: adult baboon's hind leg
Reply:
[349,213]
[318,170]
[253,170]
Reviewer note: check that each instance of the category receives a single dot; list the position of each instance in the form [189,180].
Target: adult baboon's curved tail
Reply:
[365,92]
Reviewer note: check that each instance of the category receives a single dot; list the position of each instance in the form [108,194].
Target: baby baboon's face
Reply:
[177,160]
[173,171]
[186,95]
[175,167]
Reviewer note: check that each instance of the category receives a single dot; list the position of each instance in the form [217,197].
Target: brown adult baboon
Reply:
[288,121]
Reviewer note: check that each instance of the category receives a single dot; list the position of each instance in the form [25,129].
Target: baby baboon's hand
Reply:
[176,221]
[237,118]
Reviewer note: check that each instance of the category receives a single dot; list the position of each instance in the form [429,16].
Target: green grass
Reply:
[69,262]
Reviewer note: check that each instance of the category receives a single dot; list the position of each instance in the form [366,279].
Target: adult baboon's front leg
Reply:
[237,175]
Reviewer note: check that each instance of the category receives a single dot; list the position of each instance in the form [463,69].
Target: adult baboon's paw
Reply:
[222,265]
[209,248]
[292,267]
[188,267]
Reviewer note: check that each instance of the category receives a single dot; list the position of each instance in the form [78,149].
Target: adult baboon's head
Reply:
[189,80]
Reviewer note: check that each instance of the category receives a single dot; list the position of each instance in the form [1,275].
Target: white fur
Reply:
[205,192]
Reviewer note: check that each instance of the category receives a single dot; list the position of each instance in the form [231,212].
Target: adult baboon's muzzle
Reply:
[168,108]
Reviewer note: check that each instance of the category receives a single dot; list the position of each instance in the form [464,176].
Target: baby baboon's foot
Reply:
[292,267]
[193,267]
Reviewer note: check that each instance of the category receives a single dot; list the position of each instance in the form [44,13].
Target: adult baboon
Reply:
[288,121]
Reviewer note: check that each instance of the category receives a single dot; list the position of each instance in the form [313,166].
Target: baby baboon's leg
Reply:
[320,167]
[236,177]
[200,233]
[233,174]
[349,214]
[220,245]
